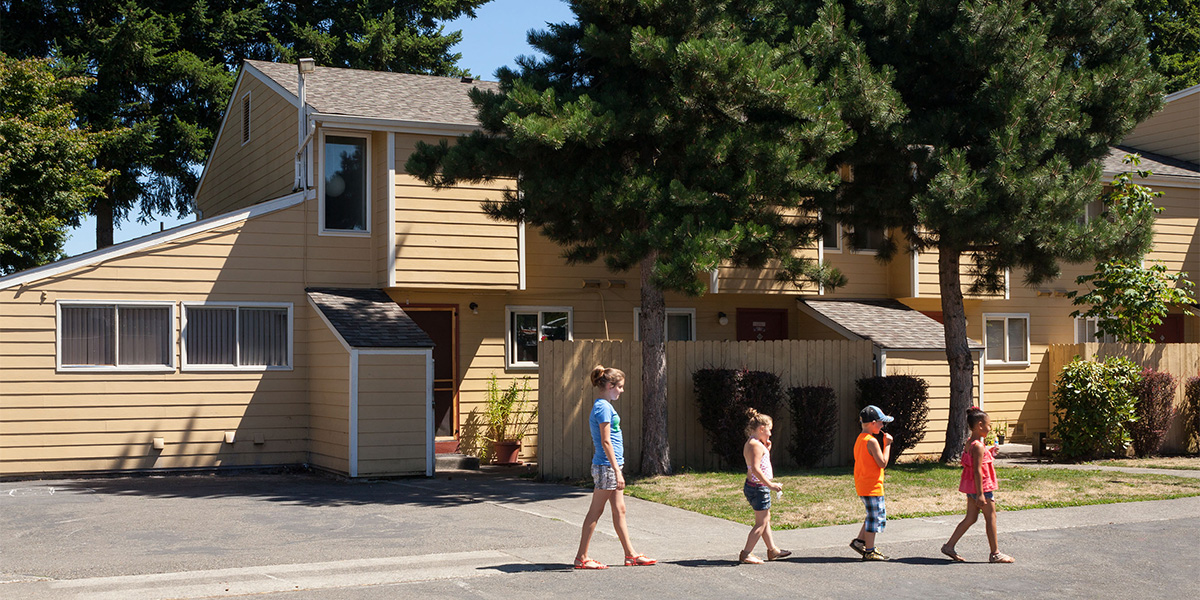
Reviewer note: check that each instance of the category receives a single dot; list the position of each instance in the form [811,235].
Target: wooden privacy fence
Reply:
[565,396]
[1180,360]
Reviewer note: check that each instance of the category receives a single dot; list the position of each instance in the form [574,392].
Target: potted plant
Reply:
[1000,429]
[508,419]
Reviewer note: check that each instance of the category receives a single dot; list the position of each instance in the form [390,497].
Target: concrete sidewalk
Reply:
[304,536]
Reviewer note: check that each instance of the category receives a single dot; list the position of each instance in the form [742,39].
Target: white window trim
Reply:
[637,321]
[1077,322]
[237,338]
[1006,316]
[321,230]
[509,362]
[58,343]
[247,123]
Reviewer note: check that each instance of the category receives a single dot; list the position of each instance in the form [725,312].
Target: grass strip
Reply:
[820,497]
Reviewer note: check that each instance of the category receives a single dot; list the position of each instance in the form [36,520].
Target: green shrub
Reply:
[903,397]
[723,396]
[1191,407]
[814,423]
[1095,403]
[1155,396]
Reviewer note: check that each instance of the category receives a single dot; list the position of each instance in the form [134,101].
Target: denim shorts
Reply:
[987,495]
[876,513]
[605,477]
[759,496]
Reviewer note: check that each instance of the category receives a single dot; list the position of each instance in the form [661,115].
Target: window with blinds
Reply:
[103,335]
[223,336]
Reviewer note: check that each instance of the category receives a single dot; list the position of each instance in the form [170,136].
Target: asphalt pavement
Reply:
[494,535]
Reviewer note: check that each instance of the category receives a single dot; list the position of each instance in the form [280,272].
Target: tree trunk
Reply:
[656,455]
[104,223]
[958,353]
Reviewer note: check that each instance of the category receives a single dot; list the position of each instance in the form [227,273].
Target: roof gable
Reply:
[368,318]
[888,323]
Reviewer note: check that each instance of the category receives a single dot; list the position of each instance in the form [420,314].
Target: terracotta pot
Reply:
[505,453]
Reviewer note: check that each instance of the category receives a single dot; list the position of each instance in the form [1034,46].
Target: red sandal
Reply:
[588,563]
[639,561]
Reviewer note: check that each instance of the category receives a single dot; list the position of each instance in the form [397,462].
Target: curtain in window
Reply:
[1016,340]
[525,337]
[211,336]
[87,335]
[264,336]
[145,335]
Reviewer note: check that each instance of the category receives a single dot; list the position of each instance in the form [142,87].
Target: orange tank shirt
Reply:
[868,476]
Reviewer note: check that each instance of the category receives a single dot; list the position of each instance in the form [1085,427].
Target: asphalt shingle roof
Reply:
[380,94]
[888,323]
[1156,163]
[368,318]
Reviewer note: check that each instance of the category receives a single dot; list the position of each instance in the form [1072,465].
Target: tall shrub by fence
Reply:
[565,396]
[1180,360]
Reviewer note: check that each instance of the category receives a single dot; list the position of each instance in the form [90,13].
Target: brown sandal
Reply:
[747,558]
[778,554]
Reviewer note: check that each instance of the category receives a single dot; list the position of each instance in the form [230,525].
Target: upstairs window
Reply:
[230,336]
[869,239]
[528,325]
[1007,339]
[831,236]
[344,185]
[125,336]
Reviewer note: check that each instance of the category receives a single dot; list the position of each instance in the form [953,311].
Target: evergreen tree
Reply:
[672,137]
[1010,106]
[164,69]
[46,171]
[1173,30]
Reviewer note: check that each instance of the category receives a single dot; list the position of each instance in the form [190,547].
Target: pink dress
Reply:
[966,484]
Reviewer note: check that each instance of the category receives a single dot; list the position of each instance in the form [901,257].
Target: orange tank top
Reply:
[868,476]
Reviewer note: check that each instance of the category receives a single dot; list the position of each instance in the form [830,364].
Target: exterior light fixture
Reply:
[722,318]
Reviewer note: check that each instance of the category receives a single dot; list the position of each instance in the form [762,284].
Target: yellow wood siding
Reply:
[391,414]
[329,399]
[1171,131]
[929,280]
[239,175]
[443,239]
[931,366]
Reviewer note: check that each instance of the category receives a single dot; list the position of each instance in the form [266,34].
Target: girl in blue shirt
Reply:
[607,462]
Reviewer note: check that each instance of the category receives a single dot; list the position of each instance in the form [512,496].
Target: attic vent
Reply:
[468,79]
[245,118]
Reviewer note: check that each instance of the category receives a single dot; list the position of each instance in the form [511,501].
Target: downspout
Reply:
[304,66]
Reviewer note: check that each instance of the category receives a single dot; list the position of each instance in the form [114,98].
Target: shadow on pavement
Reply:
[311,489]
[529,568]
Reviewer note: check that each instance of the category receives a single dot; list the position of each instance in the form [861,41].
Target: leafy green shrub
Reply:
[814,423]
[1095,403]
[903,397]
[723,396]
[1191,407]
[1155,396]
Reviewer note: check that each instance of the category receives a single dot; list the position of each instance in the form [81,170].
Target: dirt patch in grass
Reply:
[1187,463]
[826,496]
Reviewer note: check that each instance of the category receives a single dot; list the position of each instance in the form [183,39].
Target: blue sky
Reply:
[491,40]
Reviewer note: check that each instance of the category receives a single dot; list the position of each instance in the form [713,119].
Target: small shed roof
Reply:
[368,318]
[888,323]
[1155,163]
[379,94]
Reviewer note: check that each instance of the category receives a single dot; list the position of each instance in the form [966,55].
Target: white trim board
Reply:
[142,243]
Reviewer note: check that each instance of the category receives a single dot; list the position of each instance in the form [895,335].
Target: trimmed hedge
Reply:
[814,423]
[903,397]
[1191,406]
[1155,396]
[723,395]
[1095,403]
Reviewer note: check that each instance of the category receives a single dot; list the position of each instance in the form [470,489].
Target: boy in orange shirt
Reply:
[869,462]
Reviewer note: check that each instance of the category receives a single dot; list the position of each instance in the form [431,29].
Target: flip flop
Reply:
[778,554]
[588,563]
[952,554]
[1000,557]
[639,560]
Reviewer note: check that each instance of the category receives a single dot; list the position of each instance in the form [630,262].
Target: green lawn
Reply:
[818,497]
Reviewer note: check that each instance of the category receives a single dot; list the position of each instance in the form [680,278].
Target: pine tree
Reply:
[1173,30]
[164,69]
[1010,106]
[672,137]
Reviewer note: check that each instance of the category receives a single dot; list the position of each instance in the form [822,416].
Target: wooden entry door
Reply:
[761,324]
[441,324]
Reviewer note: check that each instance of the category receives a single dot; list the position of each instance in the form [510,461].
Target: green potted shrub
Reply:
[508,419]
[1000,429]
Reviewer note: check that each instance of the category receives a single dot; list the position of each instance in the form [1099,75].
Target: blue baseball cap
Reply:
[873,413]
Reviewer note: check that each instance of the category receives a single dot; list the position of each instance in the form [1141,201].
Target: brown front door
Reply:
[441,324]
[760,324]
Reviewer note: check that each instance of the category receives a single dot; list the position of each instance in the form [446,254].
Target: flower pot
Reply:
[505,453]
[1000,438]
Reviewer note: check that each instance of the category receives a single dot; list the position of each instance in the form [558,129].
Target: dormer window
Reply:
[344,185]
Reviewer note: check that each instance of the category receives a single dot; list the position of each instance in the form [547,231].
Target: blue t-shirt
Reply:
[603,412]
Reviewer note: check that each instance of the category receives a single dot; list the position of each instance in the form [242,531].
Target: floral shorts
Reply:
[605,477]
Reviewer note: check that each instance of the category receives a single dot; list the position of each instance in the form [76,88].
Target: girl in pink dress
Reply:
[978,482]
[758,487]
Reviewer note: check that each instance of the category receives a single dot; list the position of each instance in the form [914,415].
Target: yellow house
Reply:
[327,309]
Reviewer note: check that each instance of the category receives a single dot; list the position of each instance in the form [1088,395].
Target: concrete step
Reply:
[455,462]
